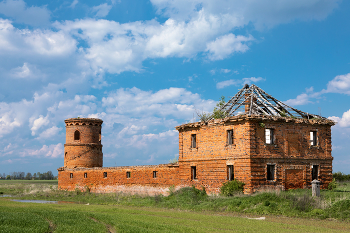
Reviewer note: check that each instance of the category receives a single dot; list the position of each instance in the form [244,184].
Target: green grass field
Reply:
[184,211]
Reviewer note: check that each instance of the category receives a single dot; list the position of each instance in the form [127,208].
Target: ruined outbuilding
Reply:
[260,141]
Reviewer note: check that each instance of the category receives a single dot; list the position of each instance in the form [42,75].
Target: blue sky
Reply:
[145,67]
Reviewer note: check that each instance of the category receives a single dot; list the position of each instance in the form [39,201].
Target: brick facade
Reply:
[207,151]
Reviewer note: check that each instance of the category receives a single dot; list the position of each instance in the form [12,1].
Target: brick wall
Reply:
[141,180]
[291,155]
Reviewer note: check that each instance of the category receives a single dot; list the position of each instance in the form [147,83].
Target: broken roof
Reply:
[252,100]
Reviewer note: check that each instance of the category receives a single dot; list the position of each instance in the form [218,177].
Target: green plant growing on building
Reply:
[232,187]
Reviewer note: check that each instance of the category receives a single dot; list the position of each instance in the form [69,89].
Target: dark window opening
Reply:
[154,174]
[99,136]
[314,172]
[193,141]
[230,172]
[76,135]
[85,175]
[270,172]
[193,173]
[128,174]
[71,175]
[65,155]
[104,174]
[313,138]
[269,136]
[229,137]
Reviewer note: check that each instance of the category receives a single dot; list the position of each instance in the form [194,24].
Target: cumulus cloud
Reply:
[21,13]
[343,121]
[51,151]
[301,99]
[238,82]
[340,84]
[260,13]
[38,123]
[225,45]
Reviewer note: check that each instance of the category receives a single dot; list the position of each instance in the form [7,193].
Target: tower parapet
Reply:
[83,146]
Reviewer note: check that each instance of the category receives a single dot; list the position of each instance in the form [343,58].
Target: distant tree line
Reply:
[23,176]
[339,176]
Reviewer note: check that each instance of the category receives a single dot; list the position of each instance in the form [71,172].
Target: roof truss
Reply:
[252,100]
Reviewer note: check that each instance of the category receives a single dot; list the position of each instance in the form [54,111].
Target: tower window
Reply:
[99,136]
[229,137]
[128,174]
[313,138]
[154,174]
[71,175]
[270,172]
[269,136]
[193,141]
[105,175]
[230,172]
[76,135]
[193,173]
[65,154]
[85,175]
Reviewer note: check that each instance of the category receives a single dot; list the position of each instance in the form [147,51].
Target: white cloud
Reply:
[238,82]
[344,121]
[101,10]
[38,123]
[340,84]
[176,102]
[301,99]
[18,10]
[49,133]
[225,45]
[51,151]
[260,13]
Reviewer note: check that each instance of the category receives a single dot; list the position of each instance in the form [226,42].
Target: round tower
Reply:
[83,146]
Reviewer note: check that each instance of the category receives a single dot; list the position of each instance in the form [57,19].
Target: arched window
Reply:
[76,135]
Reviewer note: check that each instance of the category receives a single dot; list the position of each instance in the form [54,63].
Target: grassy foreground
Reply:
[31,217]
[187,210]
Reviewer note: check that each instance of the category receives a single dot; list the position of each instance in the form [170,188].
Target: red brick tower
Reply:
[83,146]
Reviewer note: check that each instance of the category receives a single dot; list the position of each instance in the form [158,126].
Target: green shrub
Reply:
[332,185]
[231,187]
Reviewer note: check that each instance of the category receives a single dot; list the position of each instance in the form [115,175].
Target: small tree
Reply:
[217,113]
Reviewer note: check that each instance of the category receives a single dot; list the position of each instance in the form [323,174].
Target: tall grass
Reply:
[293,203]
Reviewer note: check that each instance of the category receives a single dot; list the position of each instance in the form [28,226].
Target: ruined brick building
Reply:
[260,141]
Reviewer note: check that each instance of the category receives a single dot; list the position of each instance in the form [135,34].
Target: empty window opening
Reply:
[270,172]
[76,135]
[85,175]
[229,137]
[128,174]
[65,154]
[313,138]
[193,141]
[230,172]
[269,136]
[154,174]
[193,173]
[314,172]
[104,174]
[71,175]
[99,136]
